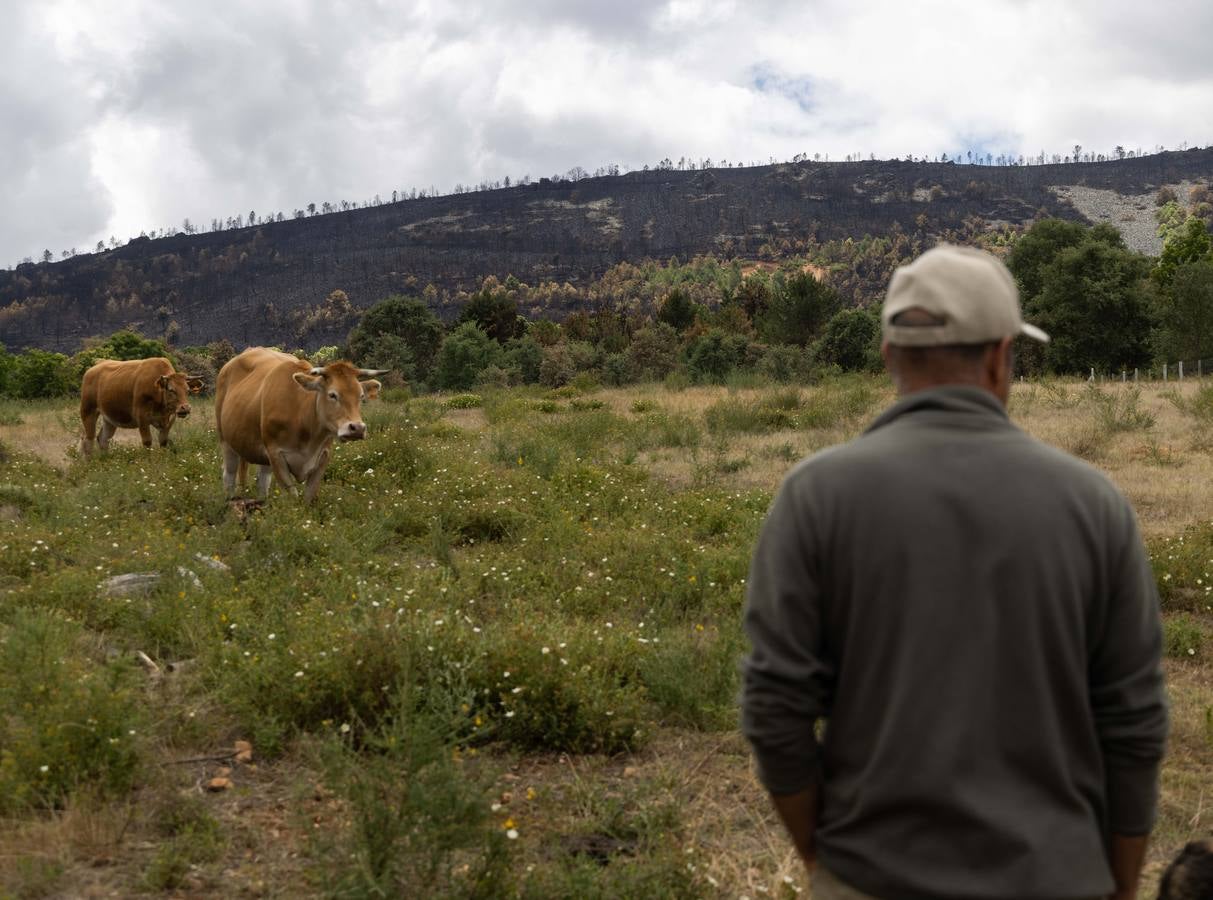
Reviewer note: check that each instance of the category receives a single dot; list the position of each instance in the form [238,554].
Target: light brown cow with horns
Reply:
[136,393]
[283,414]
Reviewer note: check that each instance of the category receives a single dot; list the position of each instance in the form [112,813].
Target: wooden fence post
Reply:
[1181,370]
[1164,371]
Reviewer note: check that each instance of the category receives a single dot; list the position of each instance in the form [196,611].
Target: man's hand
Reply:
[799,815]
[1127,855]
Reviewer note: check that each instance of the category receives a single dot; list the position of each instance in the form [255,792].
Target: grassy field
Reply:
[497,657]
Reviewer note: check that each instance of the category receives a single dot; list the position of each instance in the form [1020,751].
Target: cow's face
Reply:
[177,389]
[339,397]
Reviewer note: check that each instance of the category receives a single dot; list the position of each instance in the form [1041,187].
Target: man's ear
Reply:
[1001,359]
[370,389]
[309,382]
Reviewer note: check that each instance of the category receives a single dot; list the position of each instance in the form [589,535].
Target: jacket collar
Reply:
[951,400]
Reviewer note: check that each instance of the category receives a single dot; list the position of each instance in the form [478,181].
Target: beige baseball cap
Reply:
[969,291]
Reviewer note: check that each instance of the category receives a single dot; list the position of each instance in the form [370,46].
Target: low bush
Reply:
[1183,637]
[569,698]
[67,720]
[709,700]
[464,401]
[1120,410]
[1183,570]
[413,811]
[839,401]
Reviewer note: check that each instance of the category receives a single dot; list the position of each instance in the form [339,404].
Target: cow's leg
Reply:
[317,473]
[282,471]
[88,418]
[232,464]
[162,431]
[264,474]
[107,431]
[145,435]
[242,473]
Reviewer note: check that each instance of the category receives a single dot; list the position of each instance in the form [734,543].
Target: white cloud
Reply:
[135,115]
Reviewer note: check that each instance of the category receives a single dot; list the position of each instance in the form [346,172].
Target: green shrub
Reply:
[1199,406]
[838,401]
[567,699]
[784,363]
[40,373]
[709,700]
[616,370]
[400,333]
[653,353]
[122,345]
[413,812]
[464,401]
[304,677]
[1183,637]
[677,311]
[391,352]
[523,359]
[557,367]
[1119,410]
[585,381]
[850,341]
[1182,569]
[66,721]
[776,411]
[464,354]
[7,361]
[588,434]
[798,309]
[526,448]
[714,354]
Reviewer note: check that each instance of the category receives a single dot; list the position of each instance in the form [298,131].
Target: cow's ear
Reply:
[370,389]
[309,382]
[195,385]
[162,381]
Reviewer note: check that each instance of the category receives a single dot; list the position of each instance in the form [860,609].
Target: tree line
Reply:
[706,321]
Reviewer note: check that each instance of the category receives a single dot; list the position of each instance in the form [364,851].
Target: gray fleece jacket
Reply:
[973,614]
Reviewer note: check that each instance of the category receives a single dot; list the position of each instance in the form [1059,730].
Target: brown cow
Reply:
[137,393]
[283,414]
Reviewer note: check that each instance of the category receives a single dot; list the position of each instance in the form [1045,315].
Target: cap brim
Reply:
[1035,333]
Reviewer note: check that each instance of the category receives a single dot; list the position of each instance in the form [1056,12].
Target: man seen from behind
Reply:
[973,616]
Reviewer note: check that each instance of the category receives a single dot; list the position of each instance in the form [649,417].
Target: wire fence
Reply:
[1177,371]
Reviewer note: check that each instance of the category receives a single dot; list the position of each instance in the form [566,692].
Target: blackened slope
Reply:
[241,284]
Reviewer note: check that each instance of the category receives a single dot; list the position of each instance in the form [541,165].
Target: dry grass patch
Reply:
[1164,467]
[52,433]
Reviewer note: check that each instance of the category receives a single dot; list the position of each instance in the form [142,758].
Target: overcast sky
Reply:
[132,115]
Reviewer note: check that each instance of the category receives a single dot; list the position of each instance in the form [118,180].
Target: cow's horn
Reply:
[317,370]
[372,373]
